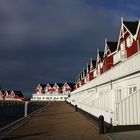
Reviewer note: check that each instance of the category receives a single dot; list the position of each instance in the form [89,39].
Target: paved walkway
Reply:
[58,122]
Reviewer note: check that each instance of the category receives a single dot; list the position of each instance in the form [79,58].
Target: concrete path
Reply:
[58,122]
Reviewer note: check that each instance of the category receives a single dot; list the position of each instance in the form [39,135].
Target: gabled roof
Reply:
[101,54]
[84,72]
[43,85]
[2,91]
[51,85]
[112,46]
[8,91]
[60,85]
[81,75]
[71,84]
[88,68]
[94,63]
[131,26]
[18,93]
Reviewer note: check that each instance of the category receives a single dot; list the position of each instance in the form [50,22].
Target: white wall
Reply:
[41,97]
[100,99]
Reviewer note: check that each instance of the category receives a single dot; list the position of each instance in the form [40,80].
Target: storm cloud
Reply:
[52,40]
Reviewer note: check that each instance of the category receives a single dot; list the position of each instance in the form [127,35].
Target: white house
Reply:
[115,91]
[52,92]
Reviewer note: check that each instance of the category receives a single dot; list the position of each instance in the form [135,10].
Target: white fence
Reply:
[94,105]
[125,112]
[128,110]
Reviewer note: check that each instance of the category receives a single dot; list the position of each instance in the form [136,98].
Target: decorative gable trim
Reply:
[137,32]
[128,31]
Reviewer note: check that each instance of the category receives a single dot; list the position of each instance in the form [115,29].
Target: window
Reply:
[119,95]
[132,89]
[122,45]
[129,41]
[122,51]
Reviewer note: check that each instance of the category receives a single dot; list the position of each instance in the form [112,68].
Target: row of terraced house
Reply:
[110,85]
[57,91]
[114,53]
[11,95]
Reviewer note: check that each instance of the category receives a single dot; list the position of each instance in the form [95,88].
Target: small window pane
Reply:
[122,46]
[134,89]
[129,41]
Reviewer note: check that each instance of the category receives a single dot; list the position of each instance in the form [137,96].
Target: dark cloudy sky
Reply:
[52,40]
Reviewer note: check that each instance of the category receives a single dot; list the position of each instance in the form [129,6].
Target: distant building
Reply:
[53,92]
[13,95]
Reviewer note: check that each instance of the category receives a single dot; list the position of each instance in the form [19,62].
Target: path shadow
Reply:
[24,136]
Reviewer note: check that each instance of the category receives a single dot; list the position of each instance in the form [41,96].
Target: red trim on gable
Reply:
[82,82]
[78,85]
[59,90]
[68,89]
[108,63]
[91,75]
[132,50]
[129,50]
[50,89]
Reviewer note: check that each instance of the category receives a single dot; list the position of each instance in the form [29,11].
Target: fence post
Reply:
[101,124]
[76,109]
[110,122]
[26,109]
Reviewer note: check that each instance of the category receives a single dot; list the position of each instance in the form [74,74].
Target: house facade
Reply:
[52,92]
[92,69]
[110,49]
[114,89]
[49,89]
[13,95]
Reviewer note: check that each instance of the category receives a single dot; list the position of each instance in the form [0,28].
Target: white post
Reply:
[26,109]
